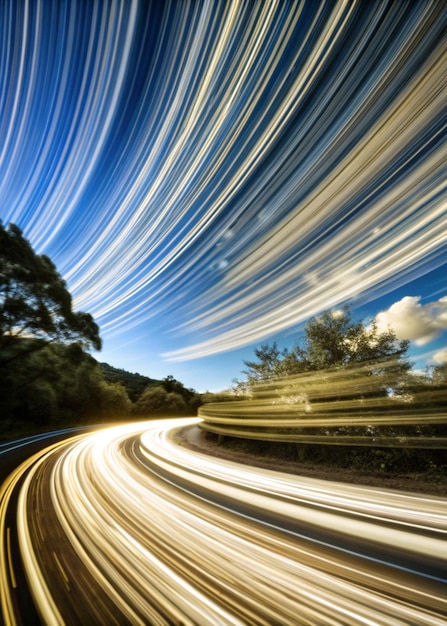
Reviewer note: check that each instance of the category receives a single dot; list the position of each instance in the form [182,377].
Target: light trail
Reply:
[333,407]
[127,525]
[225,170]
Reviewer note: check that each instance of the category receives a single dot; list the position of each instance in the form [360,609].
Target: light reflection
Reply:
[348,406]
[139,526]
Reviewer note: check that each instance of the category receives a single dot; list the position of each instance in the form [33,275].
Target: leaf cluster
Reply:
[331,341]
[170,397]
[35,303]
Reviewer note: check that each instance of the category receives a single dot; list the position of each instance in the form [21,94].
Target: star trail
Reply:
[206,175]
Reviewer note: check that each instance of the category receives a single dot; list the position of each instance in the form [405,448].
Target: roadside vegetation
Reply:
[346,397]
[48,378]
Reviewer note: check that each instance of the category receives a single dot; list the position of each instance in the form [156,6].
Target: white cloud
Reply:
[410,319]
[440,357]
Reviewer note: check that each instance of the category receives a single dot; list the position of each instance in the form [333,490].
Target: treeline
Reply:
[57,385]
[346,395]
[47,376]
[61,385]
[151,397]
[134,383]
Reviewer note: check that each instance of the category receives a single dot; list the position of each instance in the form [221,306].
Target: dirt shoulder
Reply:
[197,439]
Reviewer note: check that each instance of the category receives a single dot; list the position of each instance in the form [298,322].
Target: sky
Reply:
[208,175]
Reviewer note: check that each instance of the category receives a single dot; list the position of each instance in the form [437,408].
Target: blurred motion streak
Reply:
[128,525]
[221,171]
[344,406]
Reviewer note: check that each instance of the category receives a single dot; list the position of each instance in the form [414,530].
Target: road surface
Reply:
[125,525]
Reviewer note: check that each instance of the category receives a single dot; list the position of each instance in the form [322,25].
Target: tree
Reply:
[43,365]
[35,305]
[332,341]
[347,395]
[60,384]
[190,397]
[159,402]
[439,375]
[175,386]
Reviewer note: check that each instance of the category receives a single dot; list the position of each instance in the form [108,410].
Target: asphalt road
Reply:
[13,453]
[126,526]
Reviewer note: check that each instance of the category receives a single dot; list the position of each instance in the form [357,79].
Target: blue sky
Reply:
[207,176]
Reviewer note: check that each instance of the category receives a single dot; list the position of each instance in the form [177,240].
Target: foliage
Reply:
[423,392]
[331,341]
[192,399]
[46,377]
[334,340]
[35,303]
[158,401]
[346,370]
[422,464]
[134,383]
[59,385]
[171,397]
[223,396]
[341,368]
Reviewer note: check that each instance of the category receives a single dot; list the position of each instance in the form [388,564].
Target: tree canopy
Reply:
[47,376]
[133,382]
[345,395]
[35,304]
[170,397]
[331,341]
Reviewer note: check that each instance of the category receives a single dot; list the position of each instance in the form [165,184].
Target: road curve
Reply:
[125,525]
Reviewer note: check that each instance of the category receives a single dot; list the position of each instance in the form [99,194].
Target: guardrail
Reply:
[277,422]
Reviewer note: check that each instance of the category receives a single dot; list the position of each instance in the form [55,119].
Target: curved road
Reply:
[127,526]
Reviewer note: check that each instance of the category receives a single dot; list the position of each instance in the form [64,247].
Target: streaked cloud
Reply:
[219,172]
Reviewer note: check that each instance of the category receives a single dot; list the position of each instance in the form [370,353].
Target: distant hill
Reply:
[134,383]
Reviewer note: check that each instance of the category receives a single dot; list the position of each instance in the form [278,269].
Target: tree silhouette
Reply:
[35,304]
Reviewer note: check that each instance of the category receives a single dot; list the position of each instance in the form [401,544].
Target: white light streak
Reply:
[145,530]
[135,137]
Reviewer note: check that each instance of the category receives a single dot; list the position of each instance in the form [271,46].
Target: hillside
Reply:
[134,383]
